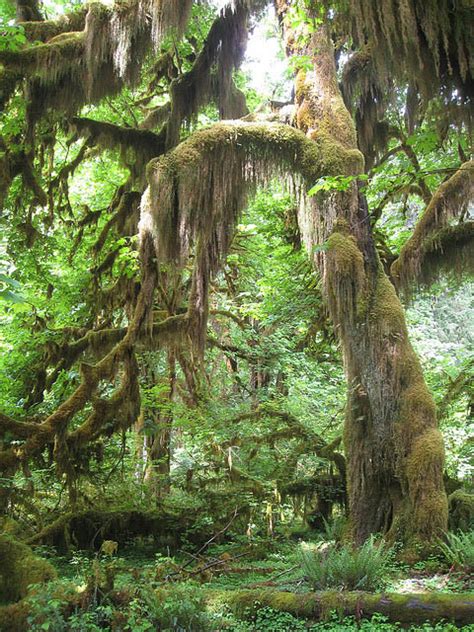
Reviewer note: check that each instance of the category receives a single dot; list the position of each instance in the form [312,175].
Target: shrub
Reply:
[179,610]
[351,569]
[458,549]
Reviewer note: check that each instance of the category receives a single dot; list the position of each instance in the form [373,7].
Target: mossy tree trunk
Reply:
[394,448]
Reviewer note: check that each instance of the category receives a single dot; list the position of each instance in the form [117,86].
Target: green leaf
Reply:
[11,297]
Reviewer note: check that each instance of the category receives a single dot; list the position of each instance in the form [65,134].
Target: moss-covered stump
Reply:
[461,510]
[19,568]
[88,529]
[406,608]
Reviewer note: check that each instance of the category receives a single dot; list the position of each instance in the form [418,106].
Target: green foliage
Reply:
[336,183]
[271,348]
[458,549]
[9,289]
[12,36]
[363,568]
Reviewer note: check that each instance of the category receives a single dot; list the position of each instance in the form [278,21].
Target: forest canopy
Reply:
[236,299]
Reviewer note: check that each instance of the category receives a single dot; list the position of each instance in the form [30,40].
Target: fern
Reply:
[458,549]
[364,568]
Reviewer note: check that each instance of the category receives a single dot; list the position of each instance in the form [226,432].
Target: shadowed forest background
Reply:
[236,308]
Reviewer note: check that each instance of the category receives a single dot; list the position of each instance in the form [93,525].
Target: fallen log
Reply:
[402,608]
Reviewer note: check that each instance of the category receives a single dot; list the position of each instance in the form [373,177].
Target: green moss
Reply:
[429,504]
[386,310]
[427,449]
[47,29]
[345,255]
[280,144]
[448,201]
[301,91]
[20,568]
[304,117]
[331,601]
[461,510]
[44,59]
[337,158]
[403,608]
[417,406]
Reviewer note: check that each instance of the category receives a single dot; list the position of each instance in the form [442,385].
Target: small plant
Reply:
[273,621]
[364,568]
[458,549]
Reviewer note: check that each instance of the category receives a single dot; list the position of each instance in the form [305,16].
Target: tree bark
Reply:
[394,447]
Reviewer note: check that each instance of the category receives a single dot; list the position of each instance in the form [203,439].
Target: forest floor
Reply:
[138,589]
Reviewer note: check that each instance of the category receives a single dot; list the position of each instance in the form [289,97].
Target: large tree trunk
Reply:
[394,448]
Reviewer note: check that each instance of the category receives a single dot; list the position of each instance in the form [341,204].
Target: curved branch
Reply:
[197,191]
[91,375]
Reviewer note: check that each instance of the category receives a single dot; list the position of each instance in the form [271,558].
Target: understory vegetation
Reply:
[236,316]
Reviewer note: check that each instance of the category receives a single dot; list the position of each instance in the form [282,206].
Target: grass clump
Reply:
[458,549]
[364,568]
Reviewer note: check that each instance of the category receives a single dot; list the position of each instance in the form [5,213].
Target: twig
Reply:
[216,563]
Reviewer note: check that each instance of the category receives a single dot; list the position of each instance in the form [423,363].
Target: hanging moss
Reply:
[447,252]
[20,568]
[74,68]
[224,49]
[46,60]
[8,83]
[428,40]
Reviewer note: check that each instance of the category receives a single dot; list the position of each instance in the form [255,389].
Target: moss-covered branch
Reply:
[47,29]
[91,375]
[144,144]
[197,191]
[449,201]
[313,442]
[88,529]
[106,52]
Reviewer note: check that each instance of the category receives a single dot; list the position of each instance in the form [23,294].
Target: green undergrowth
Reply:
[139,588]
